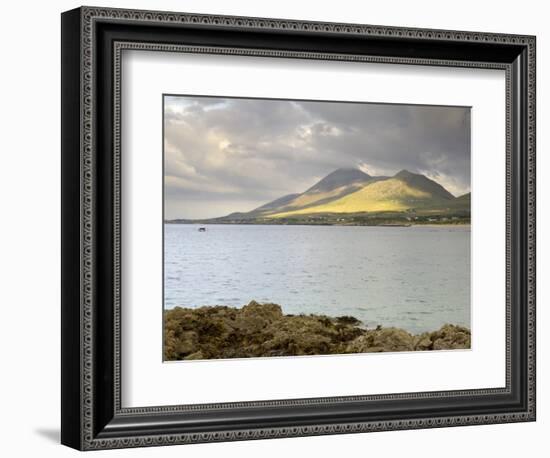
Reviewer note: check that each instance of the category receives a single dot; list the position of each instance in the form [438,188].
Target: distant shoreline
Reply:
[351,197]
[444,225]
[262,330]
[301,223]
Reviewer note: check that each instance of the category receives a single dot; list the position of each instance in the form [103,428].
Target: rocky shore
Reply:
[259,330]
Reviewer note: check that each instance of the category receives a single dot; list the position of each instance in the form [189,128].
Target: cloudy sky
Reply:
[224,155]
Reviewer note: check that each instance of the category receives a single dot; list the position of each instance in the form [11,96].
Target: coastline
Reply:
[301,223]
[445,225]
[262,330]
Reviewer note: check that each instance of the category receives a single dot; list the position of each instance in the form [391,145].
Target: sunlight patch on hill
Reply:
[388,195]
[312,197]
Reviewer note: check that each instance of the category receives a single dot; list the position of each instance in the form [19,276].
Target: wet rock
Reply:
[196,355]
[383,339]
[451,337]
[300,335]
[423,342]
[258,330]
[269,312]
[347,320]
[187,342]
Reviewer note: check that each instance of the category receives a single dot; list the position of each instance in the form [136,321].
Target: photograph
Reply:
[266,228]
[312,227]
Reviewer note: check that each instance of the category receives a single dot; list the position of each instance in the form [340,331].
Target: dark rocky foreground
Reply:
[258,330]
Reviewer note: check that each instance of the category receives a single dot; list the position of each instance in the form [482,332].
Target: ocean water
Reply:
[416,278]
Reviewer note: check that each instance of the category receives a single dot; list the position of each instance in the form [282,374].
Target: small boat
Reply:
[202,229]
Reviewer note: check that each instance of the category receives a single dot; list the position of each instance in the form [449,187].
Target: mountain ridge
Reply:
[350,191]
[338,178]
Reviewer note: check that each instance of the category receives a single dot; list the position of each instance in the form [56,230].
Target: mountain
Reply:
[418,181]
[335,185]
[339,178]
[465,198]
[460,205]
[404,191]
[349,192]
[277,203]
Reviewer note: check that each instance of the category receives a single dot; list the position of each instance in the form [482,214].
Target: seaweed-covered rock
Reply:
[257,330]
[423,342]
[448,337]
[451,337]
[383,339]
[300,335]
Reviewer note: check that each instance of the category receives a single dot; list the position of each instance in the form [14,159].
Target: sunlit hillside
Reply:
[406,195]
[335,185]
[388,195]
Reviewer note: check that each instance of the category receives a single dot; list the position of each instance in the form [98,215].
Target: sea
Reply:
[416,278]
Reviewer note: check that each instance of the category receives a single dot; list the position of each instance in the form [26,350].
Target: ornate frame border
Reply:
[87,436]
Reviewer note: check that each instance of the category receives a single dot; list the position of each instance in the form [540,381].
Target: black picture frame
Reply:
[92,416]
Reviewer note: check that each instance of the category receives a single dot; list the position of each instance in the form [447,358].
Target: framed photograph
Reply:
[276,228]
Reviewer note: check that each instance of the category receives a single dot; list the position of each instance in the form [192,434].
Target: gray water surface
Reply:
[416,278]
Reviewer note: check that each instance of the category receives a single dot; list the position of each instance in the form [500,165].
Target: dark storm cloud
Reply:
[234,154]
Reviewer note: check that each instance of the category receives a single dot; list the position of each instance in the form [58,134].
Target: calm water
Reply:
[416,278]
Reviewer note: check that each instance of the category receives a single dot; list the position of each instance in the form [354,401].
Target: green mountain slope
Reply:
[405,195]
[339,178]
[335,185]
[465,198]
[277,203]
[418,181]
[404,191]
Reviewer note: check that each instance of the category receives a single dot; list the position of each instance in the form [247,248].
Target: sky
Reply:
[223,155]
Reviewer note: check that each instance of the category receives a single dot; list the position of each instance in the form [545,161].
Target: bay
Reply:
[416,278]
